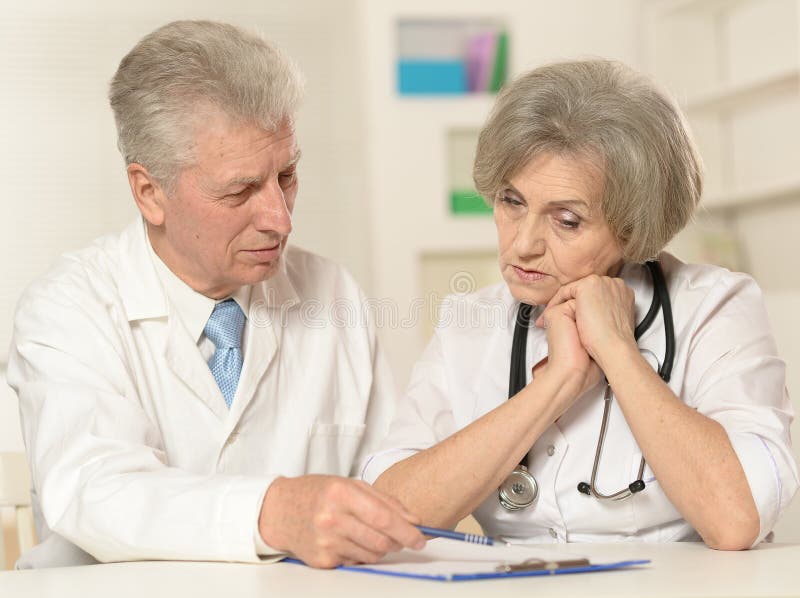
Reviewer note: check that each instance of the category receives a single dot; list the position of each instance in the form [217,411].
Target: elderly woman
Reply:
[646,399]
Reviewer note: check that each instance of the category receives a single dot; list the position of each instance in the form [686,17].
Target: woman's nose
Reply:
[529,241]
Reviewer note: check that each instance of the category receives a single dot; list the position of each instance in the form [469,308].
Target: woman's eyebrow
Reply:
[571,202]
[566,201]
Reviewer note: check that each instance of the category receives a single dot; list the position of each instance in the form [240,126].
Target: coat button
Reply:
[551,450]
[553,533]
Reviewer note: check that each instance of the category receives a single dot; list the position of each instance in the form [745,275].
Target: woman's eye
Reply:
[510,200]
[569,221]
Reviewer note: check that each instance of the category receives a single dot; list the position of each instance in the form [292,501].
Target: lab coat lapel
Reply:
[186,362]
[267,318]
[144,298]
[493,385]
[262,346]
[137,280]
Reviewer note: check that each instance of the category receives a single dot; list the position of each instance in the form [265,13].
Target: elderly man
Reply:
[178,398]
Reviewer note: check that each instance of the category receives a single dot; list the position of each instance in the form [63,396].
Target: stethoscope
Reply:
[520,489]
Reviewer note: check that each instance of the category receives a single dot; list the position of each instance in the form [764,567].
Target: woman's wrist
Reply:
[561,386]
[620,358]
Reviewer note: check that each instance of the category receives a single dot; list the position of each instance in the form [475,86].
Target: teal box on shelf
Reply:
[431,76]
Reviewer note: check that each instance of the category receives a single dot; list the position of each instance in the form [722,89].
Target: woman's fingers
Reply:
[563,294]
[601,306]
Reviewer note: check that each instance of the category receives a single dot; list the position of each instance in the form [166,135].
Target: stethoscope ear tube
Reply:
[660,290]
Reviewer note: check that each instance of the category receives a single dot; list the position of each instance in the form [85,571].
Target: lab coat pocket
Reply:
[332,448]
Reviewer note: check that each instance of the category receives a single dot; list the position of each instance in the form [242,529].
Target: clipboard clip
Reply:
[536,564]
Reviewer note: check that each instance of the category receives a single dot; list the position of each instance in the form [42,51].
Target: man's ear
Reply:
[148,194]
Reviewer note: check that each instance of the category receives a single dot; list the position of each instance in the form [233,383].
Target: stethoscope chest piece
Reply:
[519,490]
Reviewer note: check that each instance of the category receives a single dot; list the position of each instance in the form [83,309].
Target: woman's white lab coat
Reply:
[726,367]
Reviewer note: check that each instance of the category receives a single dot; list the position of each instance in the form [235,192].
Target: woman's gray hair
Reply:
[165,83]
[603,111]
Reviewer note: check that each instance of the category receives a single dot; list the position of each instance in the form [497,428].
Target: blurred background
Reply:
[396,94]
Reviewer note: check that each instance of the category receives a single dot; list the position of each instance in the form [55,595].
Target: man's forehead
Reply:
[232,141]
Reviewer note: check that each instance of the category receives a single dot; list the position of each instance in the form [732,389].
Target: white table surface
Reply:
[678,569]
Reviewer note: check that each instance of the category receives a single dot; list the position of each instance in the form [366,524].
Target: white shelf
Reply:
[471,106]
[742,93]
[750,197]
[671,8]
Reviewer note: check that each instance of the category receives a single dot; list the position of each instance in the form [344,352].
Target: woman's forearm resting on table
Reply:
[448,481]
[689,453]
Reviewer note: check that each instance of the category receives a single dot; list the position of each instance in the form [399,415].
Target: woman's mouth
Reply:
[528,275]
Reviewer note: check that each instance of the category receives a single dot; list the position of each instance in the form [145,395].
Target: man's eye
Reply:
[287,178]
[238,196]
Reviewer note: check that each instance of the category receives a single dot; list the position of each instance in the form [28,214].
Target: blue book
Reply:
[431,76]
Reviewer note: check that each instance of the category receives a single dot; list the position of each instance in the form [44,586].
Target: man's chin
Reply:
[261,272]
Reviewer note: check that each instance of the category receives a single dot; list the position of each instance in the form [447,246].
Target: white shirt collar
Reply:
[193,308]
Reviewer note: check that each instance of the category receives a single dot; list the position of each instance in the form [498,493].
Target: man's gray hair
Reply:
[165,83]
[601,111]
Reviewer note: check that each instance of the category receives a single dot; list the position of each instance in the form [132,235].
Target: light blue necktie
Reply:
[224,328]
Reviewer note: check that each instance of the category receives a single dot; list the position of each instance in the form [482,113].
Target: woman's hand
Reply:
[603,312]
[568,360]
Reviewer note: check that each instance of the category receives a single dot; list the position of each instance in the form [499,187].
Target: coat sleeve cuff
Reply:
[764,478]
[244,500]
[377,463]
[265,552]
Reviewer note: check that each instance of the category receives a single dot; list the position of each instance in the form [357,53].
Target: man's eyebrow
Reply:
[256,181]
[245,181]
[293,160]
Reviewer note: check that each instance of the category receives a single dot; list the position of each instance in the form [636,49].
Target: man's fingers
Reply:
[352,553]
[387,517]
[369,538]
[338,551]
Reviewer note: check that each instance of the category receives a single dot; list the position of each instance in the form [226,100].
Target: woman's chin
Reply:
[530,293]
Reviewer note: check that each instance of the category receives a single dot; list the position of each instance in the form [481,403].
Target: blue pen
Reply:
[447,533]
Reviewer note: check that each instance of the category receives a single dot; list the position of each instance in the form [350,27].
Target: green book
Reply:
[500,63]
[467,202]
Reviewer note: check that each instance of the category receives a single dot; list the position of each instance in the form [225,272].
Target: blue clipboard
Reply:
[374,570]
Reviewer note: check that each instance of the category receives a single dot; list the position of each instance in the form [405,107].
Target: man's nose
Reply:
[271,211]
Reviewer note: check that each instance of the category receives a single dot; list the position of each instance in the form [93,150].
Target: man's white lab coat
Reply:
[133,452]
